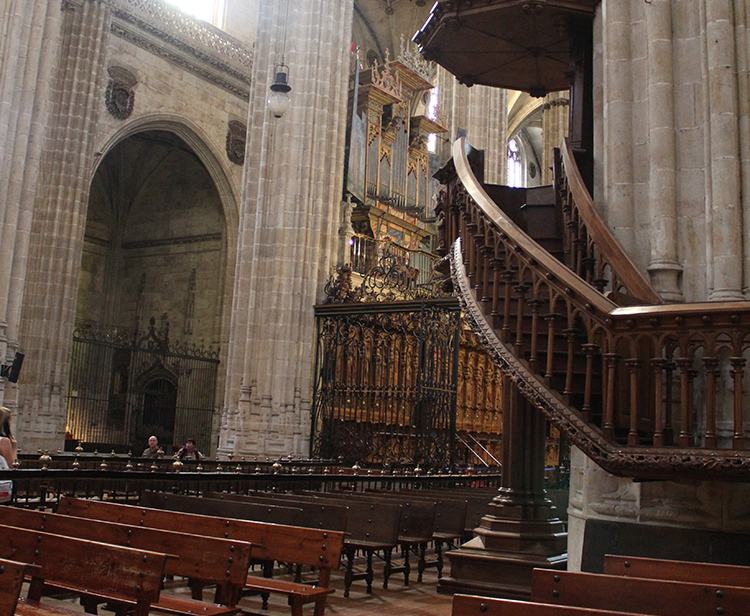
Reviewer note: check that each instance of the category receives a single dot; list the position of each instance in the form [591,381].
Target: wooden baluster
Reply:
[550,318]
[669,403]
[496,263]
[590,350]
[710,364]
[658,364]
[685,438]
[520,290]
[479,263]
[633,366]
[535,303]
[738,367]
[470,259]
[487,253]
[608,422]
[571,334]
[508,276]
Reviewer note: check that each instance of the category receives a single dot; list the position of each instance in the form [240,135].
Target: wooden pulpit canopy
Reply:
[516,44]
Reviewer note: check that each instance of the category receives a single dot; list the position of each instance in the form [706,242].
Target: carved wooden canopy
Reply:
[515,44]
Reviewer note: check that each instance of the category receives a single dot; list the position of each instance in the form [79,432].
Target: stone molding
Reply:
[195,46]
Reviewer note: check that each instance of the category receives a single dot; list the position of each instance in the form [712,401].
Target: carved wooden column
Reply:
[290,216]
[30,34]
[59,220]
[517,534]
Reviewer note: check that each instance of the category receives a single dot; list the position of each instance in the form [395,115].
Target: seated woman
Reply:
[189,452]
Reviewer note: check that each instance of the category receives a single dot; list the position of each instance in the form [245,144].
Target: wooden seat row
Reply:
[270,542]
[629,585]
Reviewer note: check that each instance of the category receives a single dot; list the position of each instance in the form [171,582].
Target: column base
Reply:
[498,562]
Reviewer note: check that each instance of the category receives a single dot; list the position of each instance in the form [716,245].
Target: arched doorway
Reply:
[155,250]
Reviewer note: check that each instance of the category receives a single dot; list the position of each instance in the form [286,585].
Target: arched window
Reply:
[516,175]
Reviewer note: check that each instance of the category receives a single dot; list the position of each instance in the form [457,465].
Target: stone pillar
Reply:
[58,224]
[724,165]
[555,116]
[520,531]
[664,266]
[487,129]
[618,136]
[290,217]
[742,13]
[27,53]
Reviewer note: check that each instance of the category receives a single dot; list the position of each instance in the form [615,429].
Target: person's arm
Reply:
[9,449]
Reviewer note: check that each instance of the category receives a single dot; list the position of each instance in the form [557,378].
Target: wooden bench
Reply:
[275,542]
[371,529]
[206,560]
[677,570]
[476,503]
[465,605]
[130,578]
[637,595]
[416,529]
[11,580]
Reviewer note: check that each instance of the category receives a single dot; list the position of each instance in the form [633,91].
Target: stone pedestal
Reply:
[521,530]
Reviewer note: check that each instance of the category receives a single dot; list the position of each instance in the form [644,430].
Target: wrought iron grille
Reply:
[124,388]
[387,382]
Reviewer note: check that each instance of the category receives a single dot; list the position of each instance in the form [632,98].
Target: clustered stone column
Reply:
[30,38]
[290,216]
[555,120]
[59,221]
[482,112]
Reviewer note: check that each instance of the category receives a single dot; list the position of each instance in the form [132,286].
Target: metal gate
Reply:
[124,388]
[387,381]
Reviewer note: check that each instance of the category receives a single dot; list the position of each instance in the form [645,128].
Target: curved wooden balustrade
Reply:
[651,391]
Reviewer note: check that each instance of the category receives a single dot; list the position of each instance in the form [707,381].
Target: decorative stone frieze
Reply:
[120,95]
[236,139]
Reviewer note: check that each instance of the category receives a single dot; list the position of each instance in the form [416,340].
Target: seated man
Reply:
[153,450]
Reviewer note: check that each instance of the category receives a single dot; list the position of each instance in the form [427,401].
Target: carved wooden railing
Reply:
[652,391]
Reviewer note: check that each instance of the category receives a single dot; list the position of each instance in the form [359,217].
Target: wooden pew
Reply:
[465,605]
[128,577]
[275,542]
[450,519]
[208,560]
[11,580]
[677,570]
[636,595]
[371,528]
[416,528]
[476,503]
[275,514]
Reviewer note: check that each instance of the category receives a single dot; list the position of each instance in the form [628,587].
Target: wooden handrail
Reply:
[599,233]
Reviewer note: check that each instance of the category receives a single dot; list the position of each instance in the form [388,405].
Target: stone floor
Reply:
[413,600]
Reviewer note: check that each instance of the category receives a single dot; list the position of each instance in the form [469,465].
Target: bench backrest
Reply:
[314,515]
[367,521]
[678,570]
[103,569]
[291,544]
[465,605]
[450,513]
[638,595]
[222,561]
[11,579]
[276,514]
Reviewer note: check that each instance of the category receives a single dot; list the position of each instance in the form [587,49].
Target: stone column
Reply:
[290,216]
[27,53]
[58,224]
[742,13]
[618,138]
[555,116]
[487,129]
[724,164]
[664,265]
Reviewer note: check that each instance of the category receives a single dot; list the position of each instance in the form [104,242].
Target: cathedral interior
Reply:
[501,237]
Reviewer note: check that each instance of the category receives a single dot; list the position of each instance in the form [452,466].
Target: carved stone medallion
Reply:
[120,96]
[236,136]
